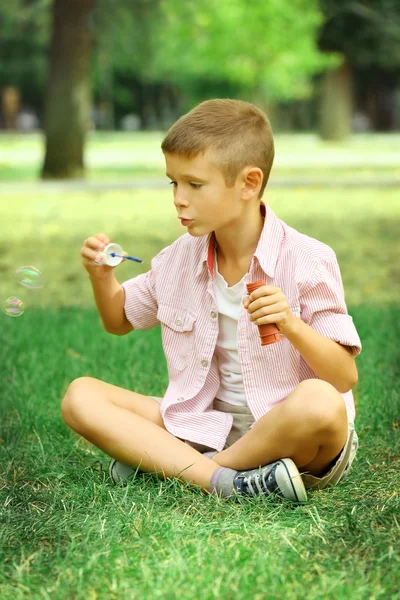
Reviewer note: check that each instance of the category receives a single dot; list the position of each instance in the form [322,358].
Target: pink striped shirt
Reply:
[178,293]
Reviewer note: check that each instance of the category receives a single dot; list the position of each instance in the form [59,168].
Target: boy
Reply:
[237,418]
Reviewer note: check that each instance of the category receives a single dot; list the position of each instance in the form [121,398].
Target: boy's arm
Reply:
[110,299]
[325,334]
[131,305]
[140,301]
[330,360]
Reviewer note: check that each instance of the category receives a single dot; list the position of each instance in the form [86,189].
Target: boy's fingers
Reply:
[94,243]
[100,240]
[103,238]
[89,253]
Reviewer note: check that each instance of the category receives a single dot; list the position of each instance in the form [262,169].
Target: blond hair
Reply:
[237,134]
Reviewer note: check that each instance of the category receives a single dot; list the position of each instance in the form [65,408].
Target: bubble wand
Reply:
[139,260]
[113,255]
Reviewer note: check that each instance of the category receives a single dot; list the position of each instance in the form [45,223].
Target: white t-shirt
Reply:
[229,303]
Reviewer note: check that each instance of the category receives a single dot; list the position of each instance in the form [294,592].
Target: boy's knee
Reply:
[73,397]
[321,403]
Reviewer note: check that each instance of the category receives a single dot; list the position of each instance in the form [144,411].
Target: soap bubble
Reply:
[29,277]
[13,307]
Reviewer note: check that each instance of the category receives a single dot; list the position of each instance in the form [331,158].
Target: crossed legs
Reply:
[132,431]
[309,426]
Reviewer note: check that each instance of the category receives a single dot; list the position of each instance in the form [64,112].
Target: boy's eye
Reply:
[195,186]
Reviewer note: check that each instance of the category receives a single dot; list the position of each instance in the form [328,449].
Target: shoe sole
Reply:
[119,478]
[290,482]
[110,467]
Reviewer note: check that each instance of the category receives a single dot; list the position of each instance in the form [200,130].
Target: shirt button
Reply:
[204,363]
[178,322]
[213,314]
[180,399]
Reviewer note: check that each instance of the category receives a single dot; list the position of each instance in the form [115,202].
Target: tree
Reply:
[367,34]
[261,51]
[124,51]
[24,36]
[170,49]
[68,93]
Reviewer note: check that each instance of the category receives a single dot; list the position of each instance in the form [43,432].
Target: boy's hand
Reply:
[90,250]
[268,304]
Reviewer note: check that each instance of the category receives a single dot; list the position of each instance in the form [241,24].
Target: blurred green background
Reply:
[68,68]
[88,89]
[343,194]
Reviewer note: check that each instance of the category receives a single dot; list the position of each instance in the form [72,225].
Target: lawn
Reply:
[125,156]
[67,532]
[46,228]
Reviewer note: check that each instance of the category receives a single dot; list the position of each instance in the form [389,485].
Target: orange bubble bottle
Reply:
[269,332]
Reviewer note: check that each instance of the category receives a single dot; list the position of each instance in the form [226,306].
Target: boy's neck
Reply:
[235,247]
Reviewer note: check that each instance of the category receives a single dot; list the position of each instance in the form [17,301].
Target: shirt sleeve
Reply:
[140,296]
[323,305]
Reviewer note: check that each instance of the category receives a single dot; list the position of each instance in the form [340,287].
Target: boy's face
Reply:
[203,196]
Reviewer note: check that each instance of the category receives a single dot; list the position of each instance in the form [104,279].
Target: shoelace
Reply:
[255,484]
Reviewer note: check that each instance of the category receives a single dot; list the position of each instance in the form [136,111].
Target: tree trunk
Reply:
[11,104]
[381,101]
[259,98]
[175,102]
[336,103]
[68,93]
[147,107]
[162,107]
[106,85]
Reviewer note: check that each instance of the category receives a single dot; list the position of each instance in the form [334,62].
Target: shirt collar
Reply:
[268,247]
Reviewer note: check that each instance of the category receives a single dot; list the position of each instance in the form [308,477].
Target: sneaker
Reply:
[280,477]
[121,473]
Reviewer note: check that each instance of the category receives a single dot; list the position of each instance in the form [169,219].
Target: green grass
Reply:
[66,532]
[46,229]
[119,156]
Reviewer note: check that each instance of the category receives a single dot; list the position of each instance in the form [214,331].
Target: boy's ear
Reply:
[253,178]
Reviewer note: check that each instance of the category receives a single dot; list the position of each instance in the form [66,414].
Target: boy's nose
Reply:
[179,200]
